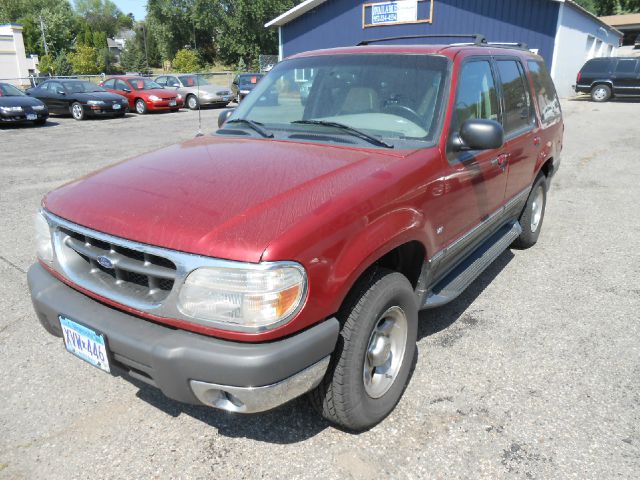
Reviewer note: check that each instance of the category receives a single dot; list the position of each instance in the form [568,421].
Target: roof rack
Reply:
[478,39]
[520,45]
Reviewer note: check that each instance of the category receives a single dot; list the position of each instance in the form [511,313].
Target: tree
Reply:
[610,7]
[46,65]
[62,65]
[85,60]
[186,60]
[101,15]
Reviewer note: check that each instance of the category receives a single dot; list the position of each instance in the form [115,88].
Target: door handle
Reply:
[501,161]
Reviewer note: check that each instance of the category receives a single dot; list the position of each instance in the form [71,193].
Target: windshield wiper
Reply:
[353,131]
[257,126]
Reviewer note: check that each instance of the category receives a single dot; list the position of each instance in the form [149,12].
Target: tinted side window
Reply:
[517,102]
[626,66]
[476,96]
[109,83]
[120,85]
[161,81]
[594,67]
[545,92]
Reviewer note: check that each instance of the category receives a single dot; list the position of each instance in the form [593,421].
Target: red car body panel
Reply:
[133,95]
[333,209]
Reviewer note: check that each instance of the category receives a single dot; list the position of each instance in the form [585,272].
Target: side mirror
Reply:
[478,134]
[224,116]
[126,90]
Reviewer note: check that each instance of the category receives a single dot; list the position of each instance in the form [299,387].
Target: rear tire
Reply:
[601,93]
[533,215]
[77,111]
[373,360]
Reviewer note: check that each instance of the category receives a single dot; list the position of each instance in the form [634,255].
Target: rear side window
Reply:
[476,94]
[545,92]
[626,66]
[517,101]
[594,67]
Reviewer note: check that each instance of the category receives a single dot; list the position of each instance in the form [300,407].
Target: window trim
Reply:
[532,125]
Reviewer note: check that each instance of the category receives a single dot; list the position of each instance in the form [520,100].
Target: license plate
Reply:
[172,103]
[32,116]
[117,106]
[85,343]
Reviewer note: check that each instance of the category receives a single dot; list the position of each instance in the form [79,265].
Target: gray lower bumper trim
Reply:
[260,399]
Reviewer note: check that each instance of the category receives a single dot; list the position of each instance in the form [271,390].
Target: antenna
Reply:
[199,134]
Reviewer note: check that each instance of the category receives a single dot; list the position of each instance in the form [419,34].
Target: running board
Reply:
[471,267]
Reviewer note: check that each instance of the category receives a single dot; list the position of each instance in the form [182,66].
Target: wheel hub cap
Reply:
[536,210]
[385,351]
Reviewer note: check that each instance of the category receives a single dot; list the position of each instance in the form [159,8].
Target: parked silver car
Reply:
[196,90]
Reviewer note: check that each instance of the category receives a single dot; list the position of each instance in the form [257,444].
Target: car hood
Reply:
[104,96]
[19,101]
[158,92]
[216,196]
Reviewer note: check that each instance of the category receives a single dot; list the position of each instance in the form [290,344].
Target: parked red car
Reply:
[144,94]
[291,250]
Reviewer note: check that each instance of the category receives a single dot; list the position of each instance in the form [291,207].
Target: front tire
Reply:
[374,356]
[77,111]
[532,215]
[141,107]
[40,122]
[192,102]
[601,93]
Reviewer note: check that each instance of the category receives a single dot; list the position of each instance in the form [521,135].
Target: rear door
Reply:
[625,77]
[521,129]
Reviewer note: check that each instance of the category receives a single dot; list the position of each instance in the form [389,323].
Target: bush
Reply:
[62,66]
[85,60]
[186,61]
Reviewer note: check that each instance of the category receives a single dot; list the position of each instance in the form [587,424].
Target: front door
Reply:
[474,181]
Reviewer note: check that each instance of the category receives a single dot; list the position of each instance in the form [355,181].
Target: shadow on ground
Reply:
[297,421]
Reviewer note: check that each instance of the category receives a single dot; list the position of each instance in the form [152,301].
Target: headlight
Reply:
[95,102]
[244,92]
[246,298]
[154,98]
[38,108]
[44,246]
[11,109]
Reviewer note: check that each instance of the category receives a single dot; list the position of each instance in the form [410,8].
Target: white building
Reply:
[15,66]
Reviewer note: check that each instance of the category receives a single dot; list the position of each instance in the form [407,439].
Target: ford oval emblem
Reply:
[105,262]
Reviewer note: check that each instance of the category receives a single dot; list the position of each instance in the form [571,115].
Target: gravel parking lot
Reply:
[533,373]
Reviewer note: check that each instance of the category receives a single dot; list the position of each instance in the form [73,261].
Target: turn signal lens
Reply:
[44,246]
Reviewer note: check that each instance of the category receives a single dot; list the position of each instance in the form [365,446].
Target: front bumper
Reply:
[189,367]
[164,105]
[22,117]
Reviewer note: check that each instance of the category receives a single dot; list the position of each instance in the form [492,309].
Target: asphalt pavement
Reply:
[534,372]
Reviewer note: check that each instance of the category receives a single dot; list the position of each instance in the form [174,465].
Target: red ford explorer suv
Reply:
[144,94]
[291,251]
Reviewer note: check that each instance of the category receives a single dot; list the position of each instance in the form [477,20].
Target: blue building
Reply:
[561,31]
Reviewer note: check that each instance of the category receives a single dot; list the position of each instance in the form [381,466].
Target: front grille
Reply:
[100,265]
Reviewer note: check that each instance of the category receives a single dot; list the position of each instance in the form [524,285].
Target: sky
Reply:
[137,7]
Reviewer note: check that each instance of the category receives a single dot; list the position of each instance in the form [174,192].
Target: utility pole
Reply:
[146,56]
[44,38]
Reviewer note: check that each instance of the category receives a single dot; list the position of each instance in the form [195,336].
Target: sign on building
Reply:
[397,13]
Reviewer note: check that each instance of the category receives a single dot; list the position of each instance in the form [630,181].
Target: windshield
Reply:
[143,84]
[192,80]
[389,96]
[249,79]
[81,86]
[7,90]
